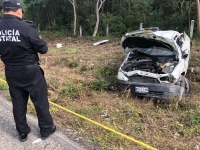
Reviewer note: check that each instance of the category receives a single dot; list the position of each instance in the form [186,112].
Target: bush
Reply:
[71,90]
[73,63]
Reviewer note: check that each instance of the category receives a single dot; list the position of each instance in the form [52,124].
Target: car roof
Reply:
[169,34]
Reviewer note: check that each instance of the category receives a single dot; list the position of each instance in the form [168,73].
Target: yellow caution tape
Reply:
[3,80]
[100,125]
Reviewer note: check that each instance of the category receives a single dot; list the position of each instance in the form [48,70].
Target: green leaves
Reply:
[121,15]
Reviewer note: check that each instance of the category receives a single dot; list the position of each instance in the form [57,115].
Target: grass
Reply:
[82,78]
[3,85]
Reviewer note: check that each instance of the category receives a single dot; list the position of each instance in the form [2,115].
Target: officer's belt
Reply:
[21,66]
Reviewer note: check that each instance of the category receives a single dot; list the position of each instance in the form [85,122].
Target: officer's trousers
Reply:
[25,81]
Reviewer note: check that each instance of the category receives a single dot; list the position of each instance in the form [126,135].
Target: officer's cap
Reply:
[11,3]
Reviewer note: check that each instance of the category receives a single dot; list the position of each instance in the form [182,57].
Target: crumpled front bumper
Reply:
[156,91]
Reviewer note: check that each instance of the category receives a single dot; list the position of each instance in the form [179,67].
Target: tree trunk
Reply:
[98,7]
[73,2]
[198,18]
[97,21]
[75,19]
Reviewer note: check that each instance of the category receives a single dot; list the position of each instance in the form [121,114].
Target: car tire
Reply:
[188,87]
[184,82]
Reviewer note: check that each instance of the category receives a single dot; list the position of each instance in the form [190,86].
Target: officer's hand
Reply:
[40,37]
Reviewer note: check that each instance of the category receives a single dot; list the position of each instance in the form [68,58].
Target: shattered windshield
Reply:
[156,51]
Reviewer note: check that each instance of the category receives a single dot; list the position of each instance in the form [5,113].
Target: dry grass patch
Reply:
[82,78]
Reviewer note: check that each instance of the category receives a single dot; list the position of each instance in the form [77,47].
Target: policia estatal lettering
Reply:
[10,35]
[19,48]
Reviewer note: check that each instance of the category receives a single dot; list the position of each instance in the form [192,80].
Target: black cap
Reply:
[11,3]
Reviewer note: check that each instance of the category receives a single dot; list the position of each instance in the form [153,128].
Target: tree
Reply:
[121,15]
[198,18]
[43,12]
[74,4]
[98,7]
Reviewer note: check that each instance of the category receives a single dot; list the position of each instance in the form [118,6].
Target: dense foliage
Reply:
[120,15]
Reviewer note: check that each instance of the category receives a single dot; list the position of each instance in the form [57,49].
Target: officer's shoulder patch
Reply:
[28,21]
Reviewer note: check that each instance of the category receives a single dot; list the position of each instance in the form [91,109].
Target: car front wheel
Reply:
[188,87]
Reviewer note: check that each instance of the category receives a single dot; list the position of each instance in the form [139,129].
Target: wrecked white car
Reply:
[156,63]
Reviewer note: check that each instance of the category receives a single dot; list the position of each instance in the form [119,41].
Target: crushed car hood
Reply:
[148,38]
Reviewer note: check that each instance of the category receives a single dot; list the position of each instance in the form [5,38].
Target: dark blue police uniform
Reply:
[19,48]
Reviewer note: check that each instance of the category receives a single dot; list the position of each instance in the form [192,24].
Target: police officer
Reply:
[19,48]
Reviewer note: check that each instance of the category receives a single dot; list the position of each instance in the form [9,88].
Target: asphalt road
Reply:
[9,136]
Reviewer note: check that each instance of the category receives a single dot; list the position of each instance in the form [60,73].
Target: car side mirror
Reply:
[185,56]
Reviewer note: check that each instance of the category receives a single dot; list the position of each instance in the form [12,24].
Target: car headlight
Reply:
[170,78]
[121,76]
